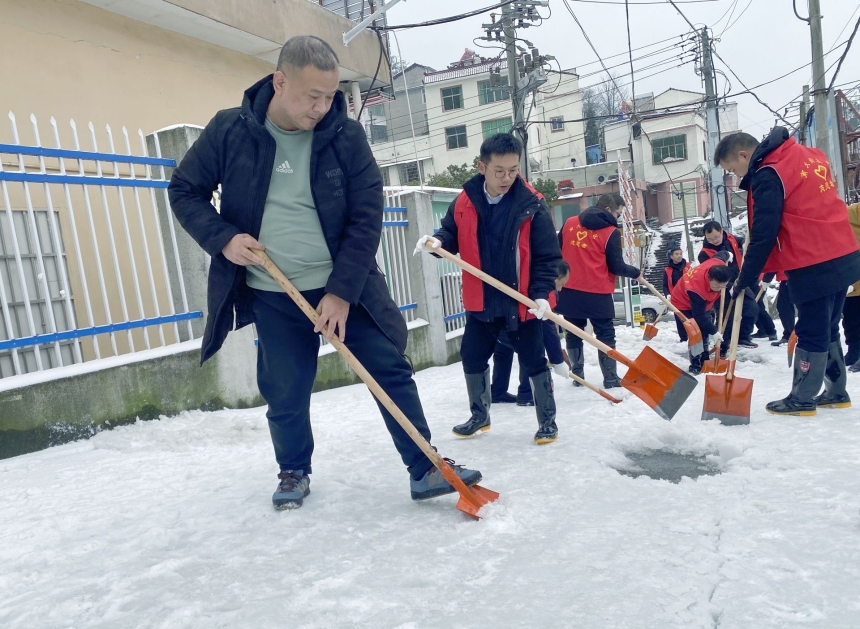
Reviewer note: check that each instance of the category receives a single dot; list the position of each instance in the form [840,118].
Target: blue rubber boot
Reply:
[294,485]
[433,484]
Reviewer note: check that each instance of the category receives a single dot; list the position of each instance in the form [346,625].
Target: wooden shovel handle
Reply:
[720,320]
[736,333]
[662,298]
[353,362]
[529,303]
[594,388]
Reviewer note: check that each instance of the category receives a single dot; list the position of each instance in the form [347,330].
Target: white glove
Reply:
[561,369]
[419,247]
[716,338]
[541,310]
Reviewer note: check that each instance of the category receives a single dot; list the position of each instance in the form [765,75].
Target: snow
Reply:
[169,523]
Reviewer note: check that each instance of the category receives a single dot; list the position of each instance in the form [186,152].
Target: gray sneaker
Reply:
[433,484]
[292,489]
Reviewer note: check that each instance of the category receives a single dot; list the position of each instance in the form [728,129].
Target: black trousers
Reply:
[682,332]
[503,361]
[764,322]
[481,337]
[604,330]
[851,320]
[818,322]
[785,309]
[287,352]
[748,317]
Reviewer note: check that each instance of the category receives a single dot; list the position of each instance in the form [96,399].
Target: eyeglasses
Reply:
[500,174]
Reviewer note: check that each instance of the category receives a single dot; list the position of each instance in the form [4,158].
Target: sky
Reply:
[763,41]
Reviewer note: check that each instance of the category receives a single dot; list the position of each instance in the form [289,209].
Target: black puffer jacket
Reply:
[236,151]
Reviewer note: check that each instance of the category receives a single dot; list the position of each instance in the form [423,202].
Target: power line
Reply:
[844,54]
[444,20]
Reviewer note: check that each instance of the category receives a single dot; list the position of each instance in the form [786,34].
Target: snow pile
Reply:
[169,523]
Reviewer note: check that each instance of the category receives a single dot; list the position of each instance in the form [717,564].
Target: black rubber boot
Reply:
[542,390]
[478,388]
[697,362]
[853,354]
[808,376]
[608,368]
[835,378]
[577,363]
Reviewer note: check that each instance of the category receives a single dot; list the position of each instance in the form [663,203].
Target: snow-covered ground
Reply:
[169,523]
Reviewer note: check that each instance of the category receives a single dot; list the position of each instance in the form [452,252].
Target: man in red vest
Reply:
[673,272]
[799,225]
[591,245]
[716,240]
[784,307]
[502,225]
[695,295]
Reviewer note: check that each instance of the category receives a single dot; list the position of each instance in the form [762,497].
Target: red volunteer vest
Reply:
[585,251]
[815,225]
[466,218]
[696,280]
[669,270]
[736,251]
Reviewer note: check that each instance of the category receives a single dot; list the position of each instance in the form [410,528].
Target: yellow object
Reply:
[854,219]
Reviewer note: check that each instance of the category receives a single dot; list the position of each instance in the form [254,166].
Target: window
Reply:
[36,292]
[669,149]
[455,137]
[423,95]
[386,179]
[452,98]
[408,173]
[488,94]
[688,189]
[556,124]
[492,127]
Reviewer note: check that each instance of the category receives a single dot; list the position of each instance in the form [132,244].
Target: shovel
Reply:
[789,348]
[719,365]
[651,328]
[728,398]
[471,498]
[653,379]
[694,334]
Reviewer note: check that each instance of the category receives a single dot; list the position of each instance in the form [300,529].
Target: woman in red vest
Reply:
[799,225]
[695,295]
[591,245]
[501,225]
[673,272]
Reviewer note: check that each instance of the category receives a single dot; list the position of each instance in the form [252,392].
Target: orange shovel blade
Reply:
[728,400]
[473,498]
[694,336]
[719,365]
[662,385]
[792,343]
[650,332]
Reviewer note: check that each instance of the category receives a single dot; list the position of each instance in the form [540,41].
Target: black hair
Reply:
[302,51]
[711,226]
[500,144]
[730,145]
[612,200]
[672,249]
[719,273]
[562,269]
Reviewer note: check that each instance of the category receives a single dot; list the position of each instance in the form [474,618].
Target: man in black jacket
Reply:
[501,225]
[799,225]
[299,180]
[591,245]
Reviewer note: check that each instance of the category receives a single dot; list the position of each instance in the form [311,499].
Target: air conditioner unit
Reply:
[601,179]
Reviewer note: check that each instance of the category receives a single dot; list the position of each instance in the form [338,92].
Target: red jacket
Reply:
[815,226]
[696,280]
[585,251]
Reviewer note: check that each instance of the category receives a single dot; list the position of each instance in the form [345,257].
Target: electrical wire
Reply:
[444,20]
[375,75]
[737,19]
[630,54]
[844,54]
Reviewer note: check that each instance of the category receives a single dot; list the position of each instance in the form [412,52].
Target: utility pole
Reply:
[718,189]
[804,110]
[819,86]
[683,196]
[525,66]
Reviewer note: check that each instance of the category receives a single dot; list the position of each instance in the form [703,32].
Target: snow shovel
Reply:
[653,379]
[651,328]
[594,388]
[694,334]
[719,365]
[728,398]
[789,348]
[471,498]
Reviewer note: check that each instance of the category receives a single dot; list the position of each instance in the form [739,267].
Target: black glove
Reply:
[736,290]
[725,256]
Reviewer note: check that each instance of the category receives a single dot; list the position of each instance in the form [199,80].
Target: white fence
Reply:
[394,253]
[83,261]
